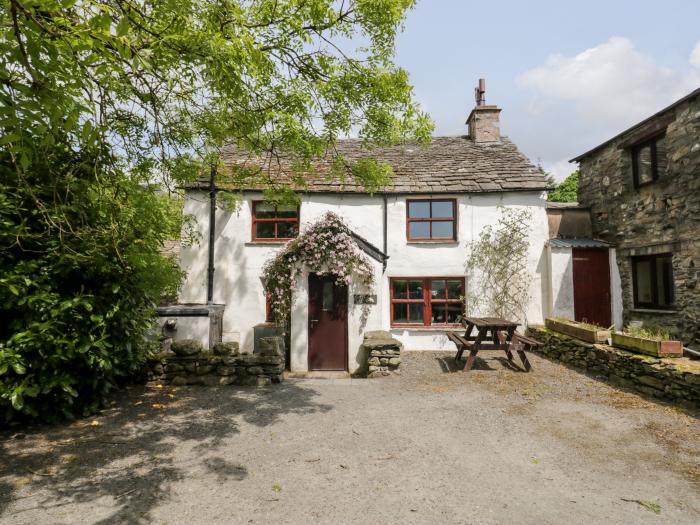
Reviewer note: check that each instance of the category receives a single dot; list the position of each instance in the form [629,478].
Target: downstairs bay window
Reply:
[426,301]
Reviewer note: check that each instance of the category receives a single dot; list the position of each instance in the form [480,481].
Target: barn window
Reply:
[649,161]
[652,279]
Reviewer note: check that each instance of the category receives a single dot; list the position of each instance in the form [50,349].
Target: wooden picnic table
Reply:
[492,333]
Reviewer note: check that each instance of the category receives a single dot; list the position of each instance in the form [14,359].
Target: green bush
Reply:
[80,275]
[566,191]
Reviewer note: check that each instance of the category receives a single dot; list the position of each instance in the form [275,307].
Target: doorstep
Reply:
[316,374]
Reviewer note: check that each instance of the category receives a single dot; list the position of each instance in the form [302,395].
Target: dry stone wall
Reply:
[383,353]
[188,363]
[677,381]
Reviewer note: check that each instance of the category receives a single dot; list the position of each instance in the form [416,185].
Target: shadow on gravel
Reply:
[129,453]
[449,365]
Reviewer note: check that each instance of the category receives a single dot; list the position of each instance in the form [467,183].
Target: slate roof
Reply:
[446,165]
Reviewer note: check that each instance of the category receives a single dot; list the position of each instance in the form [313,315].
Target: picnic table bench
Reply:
[492,333]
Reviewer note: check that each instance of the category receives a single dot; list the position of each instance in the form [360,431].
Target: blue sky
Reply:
[568,75]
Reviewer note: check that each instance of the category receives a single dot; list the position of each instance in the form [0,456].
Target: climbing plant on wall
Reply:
[327,248]
[497,265]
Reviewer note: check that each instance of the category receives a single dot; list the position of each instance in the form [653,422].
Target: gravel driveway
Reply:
[431,446]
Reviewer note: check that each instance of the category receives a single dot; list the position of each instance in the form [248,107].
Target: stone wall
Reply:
[383,353]
[676,380]
[662,217]
[186,362]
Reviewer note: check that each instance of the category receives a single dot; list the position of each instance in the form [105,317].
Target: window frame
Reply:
[275,220]
[654,304]
[427,301]
[431,220]
[635,149]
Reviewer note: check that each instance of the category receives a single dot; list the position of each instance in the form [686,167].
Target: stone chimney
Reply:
[483,121]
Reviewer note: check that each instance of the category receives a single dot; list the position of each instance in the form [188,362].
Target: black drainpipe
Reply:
[212,231]
[385,233]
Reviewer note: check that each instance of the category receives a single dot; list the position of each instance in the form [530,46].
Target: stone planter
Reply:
[647,346]
[578,330]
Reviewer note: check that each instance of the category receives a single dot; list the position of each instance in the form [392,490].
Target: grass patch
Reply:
[649,331]
[590,326]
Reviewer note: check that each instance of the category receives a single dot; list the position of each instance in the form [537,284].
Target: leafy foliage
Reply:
[498,262]
[166,84]
[566,191]
[81,274]
[105,102]
[326,247]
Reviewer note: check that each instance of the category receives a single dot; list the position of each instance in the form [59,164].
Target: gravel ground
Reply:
[430,446]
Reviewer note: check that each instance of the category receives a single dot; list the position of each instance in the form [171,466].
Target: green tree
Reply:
[103,100]
[566,191]
[165,84]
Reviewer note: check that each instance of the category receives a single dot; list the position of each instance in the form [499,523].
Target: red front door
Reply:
[328,324]
[591,271]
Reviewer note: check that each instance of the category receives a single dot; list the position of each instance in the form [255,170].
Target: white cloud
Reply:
[560,169]
[612,84]
[695,56]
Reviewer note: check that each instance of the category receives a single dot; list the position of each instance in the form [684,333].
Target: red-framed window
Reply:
[274,223]
[426,301]
[431,219]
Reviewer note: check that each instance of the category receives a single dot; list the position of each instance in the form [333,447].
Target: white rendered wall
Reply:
[562,293]
[562,285]
[615,290]
[239,262]
[361,318]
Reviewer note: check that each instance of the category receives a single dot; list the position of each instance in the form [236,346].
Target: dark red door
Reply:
[328,323]
[591,271]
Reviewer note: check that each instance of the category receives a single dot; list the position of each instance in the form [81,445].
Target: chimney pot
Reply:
[483,121]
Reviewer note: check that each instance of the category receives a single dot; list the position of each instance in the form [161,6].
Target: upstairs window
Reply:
[649,161]
[436,301]
[274,223]
[431,220]
[652,279]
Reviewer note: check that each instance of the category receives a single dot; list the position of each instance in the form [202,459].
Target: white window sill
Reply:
[426,329]
[266,243]
[652,311]
[438,242]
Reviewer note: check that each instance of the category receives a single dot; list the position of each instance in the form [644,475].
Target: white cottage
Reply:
[415,232]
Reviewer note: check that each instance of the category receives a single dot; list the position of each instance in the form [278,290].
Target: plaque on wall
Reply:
[365,299]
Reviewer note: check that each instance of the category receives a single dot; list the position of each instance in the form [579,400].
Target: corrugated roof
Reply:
[577,243]
[446,165]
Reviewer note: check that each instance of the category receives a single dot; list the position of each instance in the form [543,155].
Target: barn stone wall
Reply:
[662,217]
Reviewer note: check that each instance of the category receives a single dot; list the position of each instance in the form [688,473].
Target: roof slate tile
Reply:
[447,164]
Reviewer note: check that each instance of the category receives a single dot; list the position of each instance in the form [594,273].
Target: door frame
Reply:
[346,364]
[609,304]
